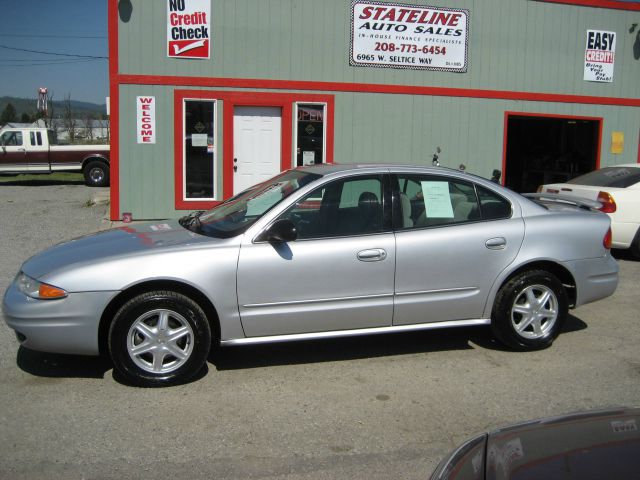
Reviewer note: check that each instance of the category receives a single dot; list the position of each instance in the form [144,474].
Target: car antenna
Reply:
[435,161]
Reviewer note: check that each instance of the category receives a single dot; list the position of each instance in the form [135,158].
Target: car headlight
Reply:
[35,289]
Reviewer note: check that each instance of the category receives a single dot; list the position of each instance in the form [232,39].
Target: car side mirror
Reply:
[282,231]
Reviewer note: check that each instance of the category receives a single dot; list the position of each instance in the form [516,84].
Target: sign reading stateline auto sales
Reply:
[146,119]
[188,27]
[599,56]
[394,35]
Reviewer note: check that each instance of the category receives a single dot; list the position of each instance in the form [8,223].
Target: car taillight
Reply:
[607,239]
[607,201]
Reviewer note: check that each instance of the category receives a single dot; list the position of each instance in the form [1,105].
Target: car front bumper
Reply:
[596,278]
[68,325]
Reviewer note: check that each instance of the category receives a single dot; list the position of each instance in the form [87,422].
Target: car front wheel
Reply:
[529,310]
[159,338]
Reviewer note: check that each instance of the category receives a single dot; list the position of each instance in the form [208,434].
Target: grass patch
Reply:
[34,178]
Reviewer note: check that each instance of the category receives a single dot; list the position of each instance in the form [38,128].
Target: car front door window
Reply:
[12,139]
[342,208]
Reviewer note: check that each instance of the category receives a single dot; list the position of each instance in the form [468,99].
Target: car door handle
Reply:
[497,243]
[372,255]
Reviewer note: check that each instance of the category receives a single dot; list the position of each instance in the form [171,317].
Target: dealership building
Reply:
[208,97]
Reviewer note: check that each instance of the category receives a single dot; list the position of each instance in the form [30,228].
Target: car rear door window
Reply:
[431,201]
[36,138]
[492,205]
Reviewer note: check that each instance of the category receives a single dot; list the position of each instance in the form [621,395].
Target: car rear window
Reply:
[617,177]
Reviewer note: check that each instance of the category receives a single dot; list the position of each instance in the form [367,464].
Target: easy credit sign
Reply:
[599,56]
[188,28]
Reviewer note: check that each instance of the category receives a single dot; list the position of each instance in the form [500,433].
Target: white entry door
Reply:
[256,145]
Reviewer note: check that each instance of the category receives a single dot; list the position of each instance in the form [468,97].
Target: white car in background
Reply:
[617,188]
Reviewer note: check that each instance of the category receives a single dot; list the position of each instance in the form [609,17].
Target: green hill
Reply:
[28,105]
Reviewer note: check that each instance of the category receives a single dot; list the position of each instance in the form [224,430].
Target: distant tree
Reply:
[69,120]
[25,118]
[88,126]
[105,121]
[9,114]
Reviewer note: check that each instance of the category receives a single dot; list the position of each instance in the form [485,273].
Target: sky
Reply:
[74,27]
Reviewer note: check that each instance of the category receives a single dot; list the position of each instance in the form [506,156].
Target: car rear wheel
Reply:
[529,310]
[159,338]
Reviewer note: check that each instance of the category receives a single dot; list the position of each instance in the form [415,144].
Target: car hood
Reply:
[117,242]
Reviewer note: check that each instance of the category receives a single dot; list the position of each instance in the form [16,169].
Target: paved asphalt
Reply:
[365,408]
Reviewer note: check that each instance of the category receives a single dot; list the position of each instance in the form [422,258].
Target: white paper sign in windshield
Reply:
[395,35]
[599,56]
[437,201]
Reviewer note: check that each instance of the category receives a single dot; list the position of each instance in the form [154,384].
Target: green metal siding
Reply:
[368,128]
[520,45]
[514,45]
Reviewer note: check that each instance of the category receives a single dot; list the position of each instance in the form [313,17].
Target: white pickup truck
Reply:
[36,150]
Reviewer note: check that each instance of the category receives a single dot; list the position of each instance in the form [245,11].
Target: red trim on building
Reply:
[230,100]
[374,88]
[616,5]
[600,121]
[504,147]
[114,112]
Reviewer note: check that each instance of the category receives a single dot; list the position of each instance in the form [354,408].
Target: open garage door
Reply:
[549,148]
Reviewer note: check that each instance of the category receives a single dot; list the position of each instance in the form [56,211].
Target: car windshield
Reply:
[617,177]
[238,213]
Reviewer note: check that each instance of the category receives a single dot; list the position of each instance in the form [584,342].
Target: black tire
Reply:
[634,249]
[535,291]
[166,360]
[96,174]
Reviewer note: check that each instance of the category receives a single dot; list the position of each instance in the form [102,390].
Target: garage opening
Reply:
[546,149]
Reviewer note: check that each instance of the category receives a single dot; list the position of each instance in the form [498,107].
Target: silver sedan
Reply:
[323,251]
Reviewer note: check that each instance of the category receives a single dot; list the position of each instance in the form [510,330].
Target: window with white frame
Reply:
[200,150]
[310,134]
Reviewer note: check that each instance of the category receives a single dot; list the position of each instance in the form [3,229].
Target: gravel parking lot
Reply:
[360,408]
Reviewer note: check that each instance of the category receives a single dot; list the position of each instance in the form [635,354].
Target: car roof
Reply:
[329,168]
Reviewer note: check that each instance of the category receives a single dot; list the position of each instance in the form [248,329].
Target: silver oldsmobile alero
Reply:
[323,251]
